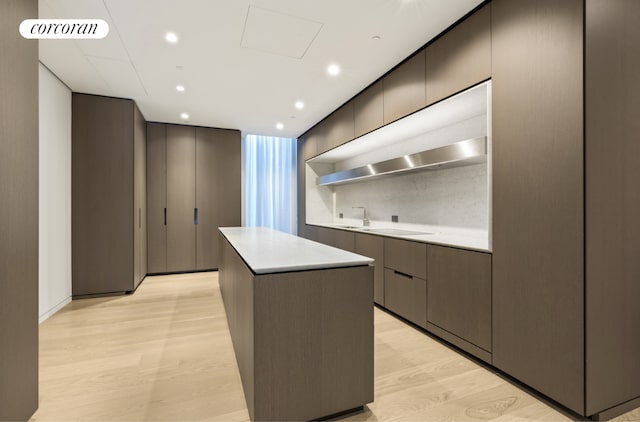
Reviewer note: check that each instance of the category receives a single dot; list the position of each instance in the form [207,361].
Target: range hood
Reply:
[462,153]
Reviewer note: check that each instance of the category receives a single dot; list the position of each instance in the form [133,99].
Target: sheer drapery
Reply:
[270,193]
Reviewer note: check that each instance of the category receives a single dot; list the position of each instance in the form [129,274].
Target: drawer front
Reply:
[406,296]
[406,257]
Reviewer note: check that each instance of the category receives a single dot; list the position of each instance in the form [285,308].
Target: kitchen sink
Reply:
[347,227]
[398,232]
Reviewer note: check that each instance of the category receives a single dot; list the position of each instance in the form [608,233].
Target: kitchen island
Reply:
[301,320]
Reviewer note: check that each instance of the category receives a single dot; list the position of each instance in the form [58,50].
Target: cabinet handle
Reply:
[403,274]
[165,216]
[139,218]
[195,216]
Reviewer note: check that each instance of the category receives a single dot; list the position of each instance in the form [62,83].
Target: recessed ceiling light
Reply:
[171,37]
[279,126]
[333,69]
[376,38]
[184,116]
[179,88]
[299,105]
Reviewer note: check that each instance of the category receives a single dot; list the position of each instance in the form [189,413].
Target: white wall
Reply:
[54,194]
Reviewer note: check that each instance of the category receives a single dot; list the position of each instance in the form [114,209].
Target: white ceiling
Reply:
[243,63]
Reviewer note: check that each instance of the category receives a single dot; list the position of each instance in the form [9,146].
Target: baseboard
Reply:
[53,310]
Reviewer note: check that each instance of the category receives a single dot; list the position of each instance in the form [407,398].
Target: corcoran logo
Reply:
[64,28]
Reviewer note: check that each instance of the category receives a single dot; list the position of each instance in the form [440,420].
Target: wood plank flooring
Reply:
[165,354]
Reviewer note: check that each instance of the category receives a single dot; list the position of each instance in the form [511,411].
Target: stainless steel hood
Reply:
[463,153]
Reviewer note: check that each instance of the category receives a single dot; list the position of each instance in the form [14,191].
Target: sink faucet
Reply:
[365,220]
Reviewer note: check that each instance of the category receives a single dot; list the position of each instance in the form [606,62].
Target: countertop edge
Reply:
[407,238]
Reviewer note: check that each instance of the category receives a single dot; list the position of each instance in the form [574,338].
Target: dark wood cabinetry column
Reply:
[18,213]
[193,174]
[612,157]
[538,239]
[103,200]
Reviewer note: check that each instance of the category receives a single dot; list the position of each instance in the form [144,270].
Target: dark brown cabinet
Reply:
[459,298]
[373,247]
[405,284]
[340,239]
[218,160]
[404,88]
[107,196]
[368,110]
[318,139]
[406,257]
[406,295]
[311,232]
[538,203]
[140,197]
[157,197]
[340,127]
[18,214]
[193,188]
[612,159]
[181,198]
[308,145]
[460,58]
[301,188]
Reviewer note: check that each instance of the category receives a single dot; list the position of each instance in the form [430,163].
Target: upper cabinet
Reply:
[404,89]
[316,140]
[368,110]
[333,131]
[339,126]
[307,145]
[460,58]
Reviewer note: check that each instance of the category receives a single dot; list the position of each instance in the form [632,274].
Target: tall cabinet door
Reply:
[102,195]
[156,198]
[538,283]
[181,228]
[140,198]
[217,190]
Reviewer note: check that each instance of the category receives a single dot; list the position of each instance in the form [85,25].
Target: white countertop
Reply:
[477,240]
[270,251]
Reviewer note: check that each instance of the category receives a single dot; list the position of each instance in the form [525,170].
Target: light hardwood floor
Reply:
[165,354]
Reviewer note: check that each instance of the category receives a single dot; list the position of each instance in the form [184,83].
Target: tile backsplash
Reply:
[455,197]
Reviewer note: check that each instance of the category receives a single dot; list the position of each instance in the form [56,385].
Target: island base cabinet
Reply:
[303,340]
[406,296]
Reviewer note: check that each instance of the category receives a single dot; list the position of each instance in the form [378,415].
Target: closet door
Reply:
[140,198]
[217,190]
[181,228]
[102,193]
[156,198]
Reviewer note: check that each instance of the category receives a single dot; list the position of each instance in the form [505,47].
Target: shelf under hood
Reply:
[462,153]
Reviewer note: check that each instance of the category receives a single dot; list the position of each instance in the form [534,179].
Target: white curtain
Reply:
[270,193]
